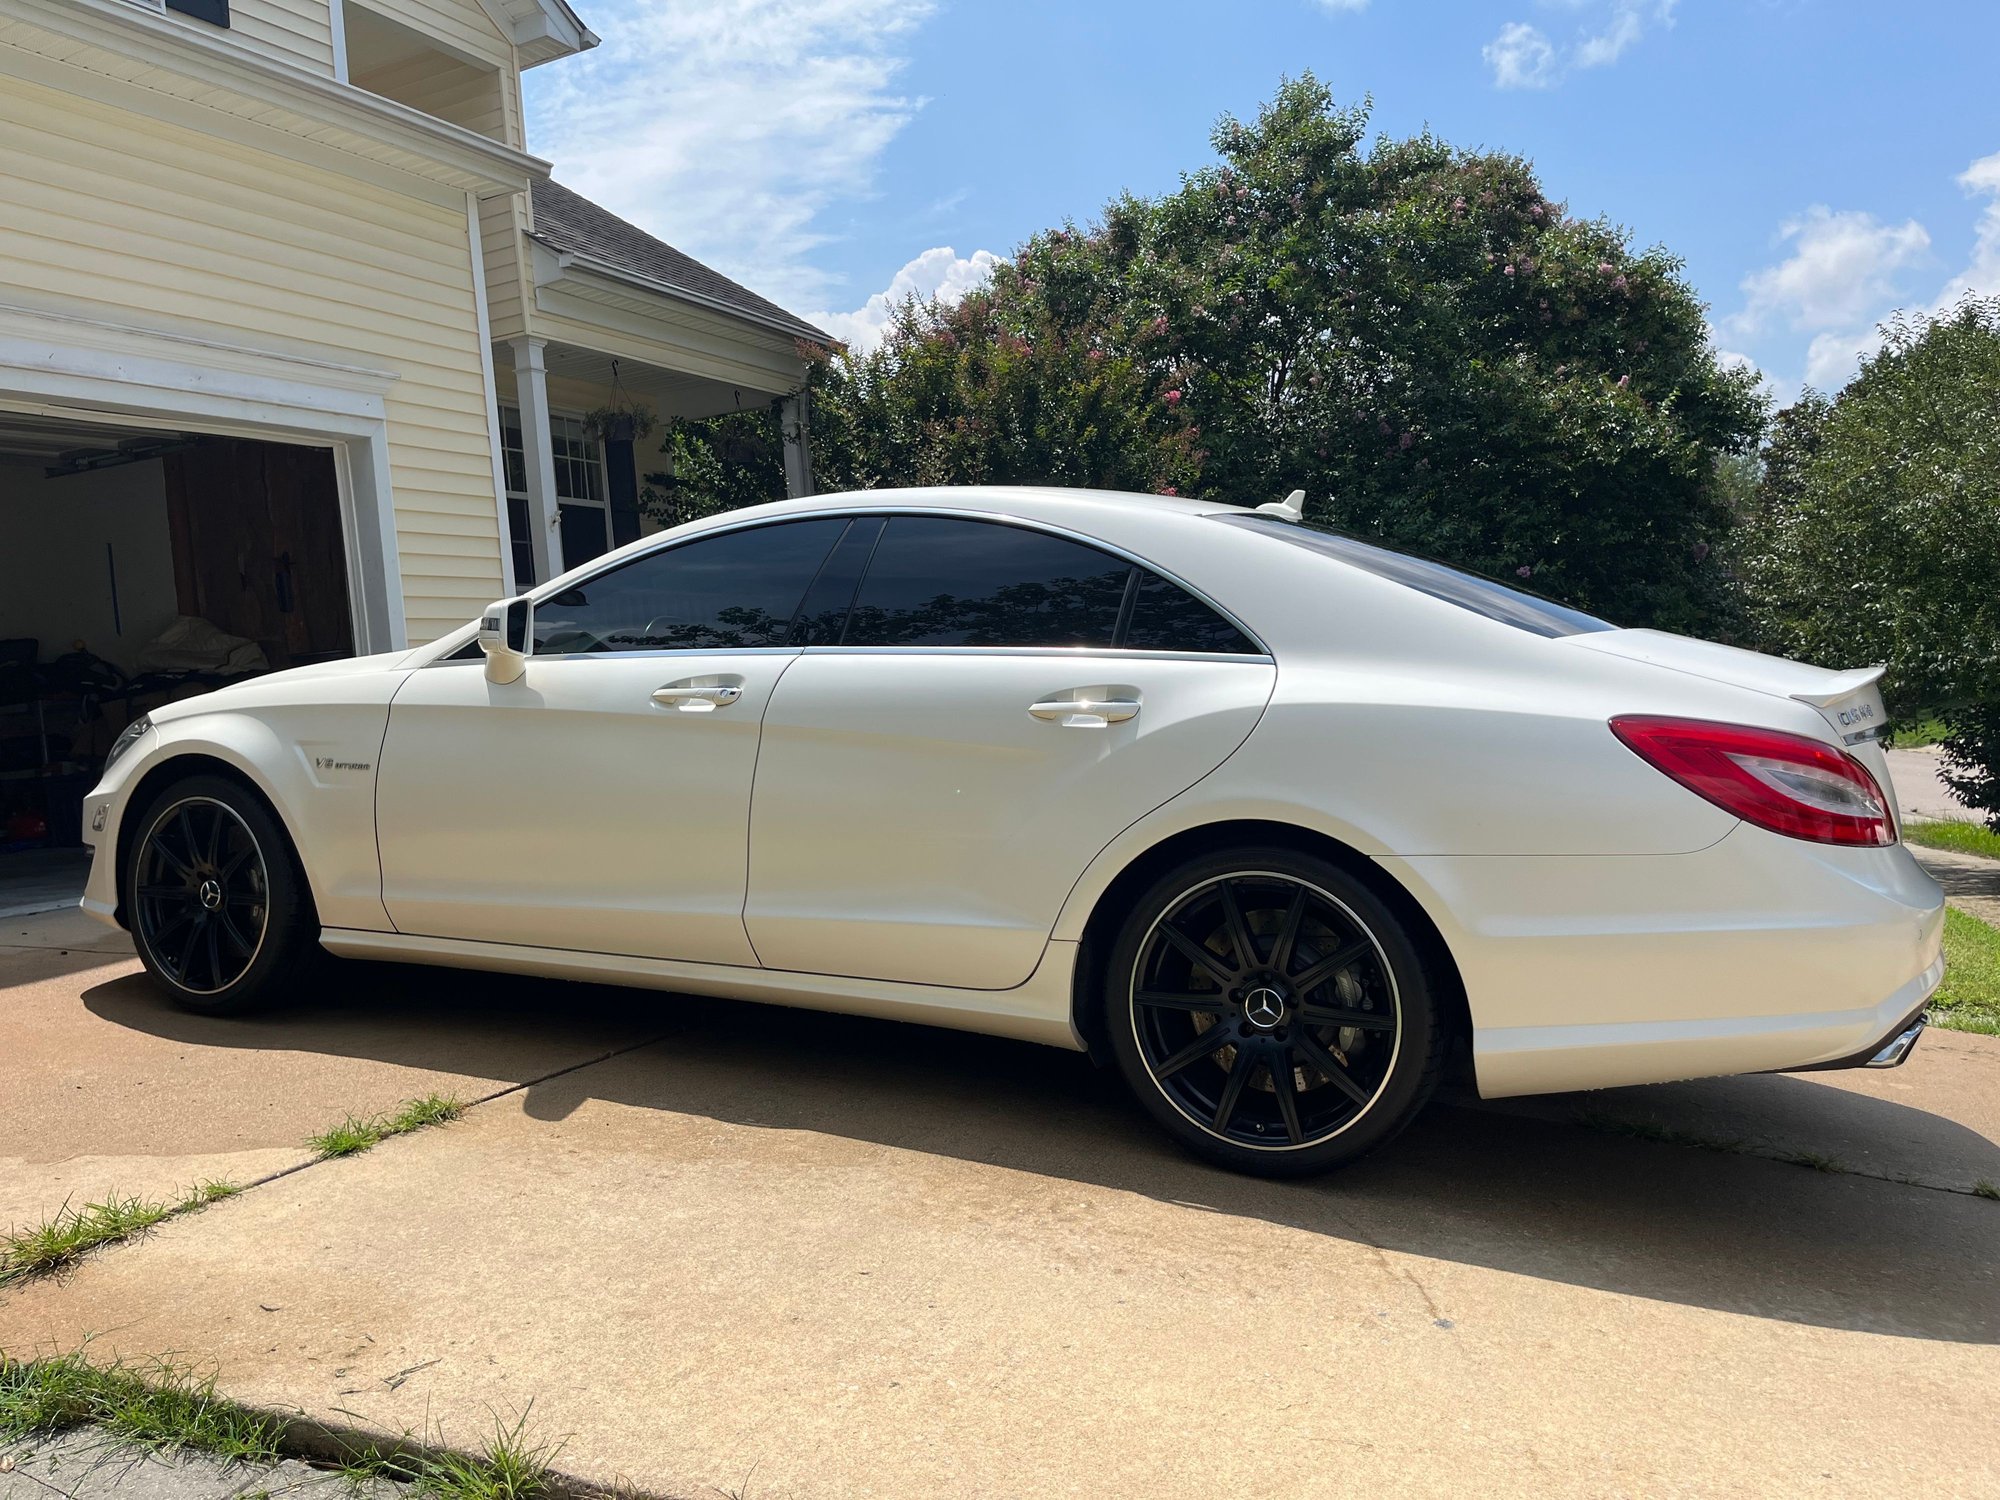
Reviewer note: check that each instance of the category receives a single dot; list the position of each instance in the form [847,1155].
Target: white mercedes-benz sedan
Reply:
[1266,816]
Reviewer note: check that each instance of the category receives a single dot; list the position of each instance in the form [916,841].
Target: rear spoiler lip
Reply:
[1842,685]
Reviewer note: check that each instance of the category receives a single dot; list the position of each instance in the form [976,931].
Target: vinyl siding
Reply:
[457,23]
[447,88]
[502,222]
[125,218]
[299,32]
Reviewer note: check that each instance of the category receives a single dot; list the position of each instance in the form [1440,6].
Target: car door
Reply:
[601,802]
[999,703]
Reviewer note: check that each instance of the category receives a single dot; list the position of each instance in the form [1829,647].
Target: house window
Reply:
[215,12]
[580,492]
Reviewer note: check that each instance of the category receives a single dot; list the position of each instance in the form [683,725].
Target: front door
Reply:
[1001,703]
[601,803]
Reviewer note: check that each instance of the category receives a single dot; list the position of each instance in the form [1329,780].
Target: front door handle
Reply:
[1086,713]
[697,697]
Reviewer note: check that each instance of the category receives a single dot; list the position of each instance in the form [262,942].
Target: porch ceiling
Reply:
[672,393]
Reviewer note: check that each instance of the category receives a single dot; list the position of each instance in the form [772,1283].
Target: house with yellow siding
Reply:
[297,337]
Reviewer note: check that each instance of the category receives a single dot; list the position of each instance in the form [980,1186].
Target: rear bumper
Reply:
[1758,954]
[1890,1051]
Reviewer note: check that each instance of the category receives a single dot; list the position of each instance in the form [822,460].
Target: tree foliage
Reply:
[1440,355]
[1876,536]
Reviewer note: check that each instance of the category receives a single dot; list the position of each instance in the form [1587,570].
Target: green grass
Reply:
[1918,733]
[507,1467]
[158,1406]
[167,1408]
[71,1233]
[1985,1189]
[1966,838]
[1969,998]
[355,1134]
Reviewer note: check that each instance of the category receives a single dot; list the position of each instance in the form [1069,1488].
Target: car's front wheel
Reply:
[1272,1012]
[218,909]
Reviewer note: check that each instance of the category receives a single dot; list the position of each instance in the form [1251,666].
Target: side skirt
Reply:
[1037,1011]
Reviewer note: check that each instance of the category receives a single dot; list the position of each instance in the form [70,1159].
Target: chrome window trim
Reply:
[1071,653]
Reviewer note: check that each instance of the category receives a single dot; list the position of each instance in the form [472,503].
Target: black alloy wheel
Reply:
[202,899]
[1273,1015]
[213,895]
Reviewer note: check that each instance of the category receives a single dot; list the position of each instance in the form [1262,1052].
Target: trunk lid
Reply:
[1850,701]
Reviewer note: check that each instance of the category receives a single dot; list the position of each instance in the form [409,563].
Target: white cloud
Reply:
[727,127]
[940,273]
[1841,266]
[1521,58]
[1845,277]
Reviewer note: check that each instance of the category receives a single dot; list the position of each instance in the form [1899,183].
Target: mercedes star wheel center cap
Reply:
[1264,1008]
[211,894]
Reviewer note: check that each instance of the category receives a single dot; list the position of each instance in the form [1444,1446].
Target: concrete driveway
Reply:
[798,1255]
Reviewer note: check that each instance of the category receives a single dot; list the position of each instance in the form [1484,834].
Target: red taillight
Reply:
[1784,782]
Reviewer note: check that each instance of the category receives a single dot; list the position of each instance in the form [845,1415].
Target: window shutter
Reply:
[215,12]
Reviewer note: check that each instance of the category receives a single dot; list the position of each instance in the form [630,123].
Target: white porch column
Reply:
[531,391]
[792,416]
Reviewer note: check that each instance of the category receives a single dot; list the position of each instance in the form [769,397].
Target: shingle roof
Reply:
[567,221]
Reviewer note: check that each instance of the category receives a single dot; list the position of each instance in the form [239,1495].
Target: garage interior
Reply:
[138,567]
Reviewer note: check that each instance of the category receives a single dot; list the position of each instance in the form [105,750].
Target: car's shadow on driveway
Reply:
[1734,1233]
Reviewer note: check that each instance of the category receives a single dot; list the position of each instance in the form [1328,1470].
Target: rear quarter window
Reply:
[1486,597]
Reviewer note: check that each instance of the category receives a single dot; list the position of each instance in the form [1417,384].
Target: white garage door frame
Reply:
[62,365]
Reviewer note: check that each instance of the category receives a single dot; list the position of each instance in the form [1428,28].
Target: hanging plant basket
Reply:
[618,424]
[621,421]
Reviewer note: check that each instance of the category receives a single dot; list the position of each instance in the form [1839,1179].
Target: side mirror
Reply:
[507,636]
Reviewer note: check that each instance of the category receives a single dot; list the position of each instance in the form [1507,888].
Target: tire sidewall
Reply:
[287,941]
[1410,1078]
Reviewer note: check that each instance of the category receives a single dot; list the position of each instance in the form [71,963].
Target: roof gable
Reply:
[569,223]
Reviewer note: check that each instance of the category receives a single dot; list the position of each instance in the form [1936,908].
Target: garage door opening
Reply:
[137,568]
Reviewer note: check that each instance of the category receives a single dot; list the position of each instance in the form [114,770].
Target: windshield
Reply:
[1483,596]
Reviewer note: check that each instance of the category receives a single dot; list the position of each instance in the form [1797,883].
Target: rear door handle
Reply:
[1085,713]
[697,697]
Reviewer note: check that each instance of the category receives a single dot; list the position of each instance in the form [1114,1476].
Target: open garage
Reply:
[137,566]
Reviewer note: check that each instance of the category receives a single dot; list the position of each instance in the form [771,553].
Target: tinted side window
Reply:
[1166,617]
[740,589]
[941,582]
[823,616]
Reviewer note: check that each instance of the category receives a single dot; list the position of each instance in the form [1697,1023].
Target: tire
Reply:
[1319,1044]
[217,904]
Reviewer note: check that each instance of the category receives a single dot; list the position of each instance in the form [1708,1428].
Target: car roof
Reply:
[1042,502]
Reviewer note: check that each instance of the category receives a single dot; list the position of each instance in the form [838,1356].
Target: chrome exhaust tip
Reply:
[1898,1049]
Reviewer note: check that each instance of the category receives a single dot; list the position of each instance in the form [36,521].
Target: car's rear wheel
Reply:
[1272,1012]
[218,909]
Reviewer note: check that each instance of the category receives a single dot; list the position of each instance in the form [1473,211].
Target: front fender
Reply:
[314,763]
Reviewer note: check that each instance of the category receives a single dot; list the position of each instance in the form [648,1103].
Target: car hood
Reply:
[351,666]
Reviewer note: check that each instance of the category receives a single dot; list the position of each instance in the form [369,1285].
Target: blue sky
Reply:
[1818,163]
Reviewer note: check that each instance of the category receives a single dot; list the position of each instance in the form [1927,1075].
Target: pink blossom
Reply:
[1407,440]
[1169,490]
[1624,381]
[1172,398]
[1605,268]
[1507,270]
[1458,205]
[1096,356]
[1524,572]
